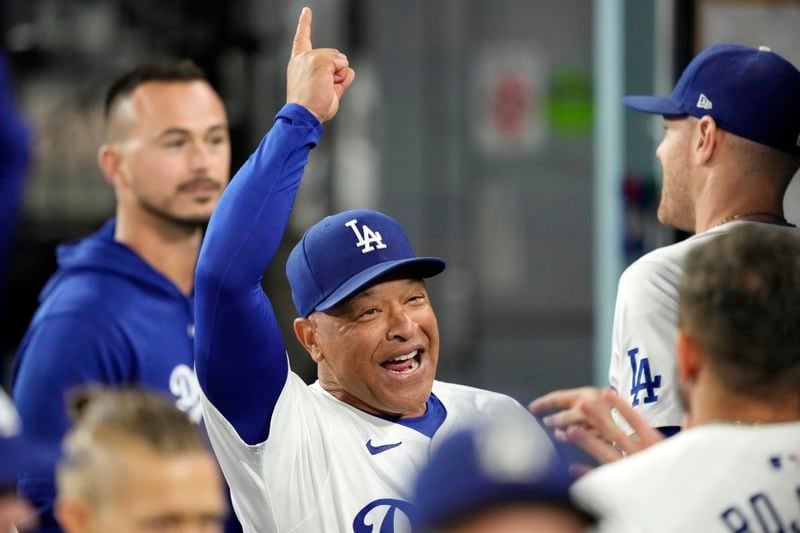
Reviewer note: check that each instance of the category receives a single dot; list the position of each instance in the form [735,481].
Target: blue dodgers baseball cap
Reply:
[343,253]
[751,92]
[481,468]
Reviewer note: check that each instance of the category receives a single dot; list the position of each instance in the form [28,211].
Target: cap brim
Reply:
[656,105]
[418,267]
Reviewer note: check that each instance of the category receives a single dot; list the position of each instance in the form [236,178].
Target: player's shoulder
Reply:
[729,456]
[85,300]
[449,391]
[685,452]
[646,469]
[661,262]
[668,260]
[660,271]
[484,404]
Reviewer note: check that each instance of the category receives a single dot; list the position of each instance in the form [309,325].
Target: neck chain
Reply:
[733,422]
[776,218]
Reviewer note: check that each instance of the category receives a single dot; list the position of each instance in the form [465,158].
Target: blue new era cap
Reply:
[343,253]
[751,92]
[485,467]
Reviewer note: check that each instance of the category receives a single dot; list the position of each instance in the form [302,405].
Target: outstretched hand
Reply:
[568,402]
[608,442]
[585,419]
[316,78]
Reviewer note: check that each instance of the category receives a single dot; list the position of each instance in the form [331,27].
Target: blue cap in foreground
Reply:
[478,469]
[751,92]
[344,253]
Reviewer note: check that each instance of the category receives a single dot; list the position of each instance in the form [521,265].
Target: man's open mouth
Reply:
[405,363]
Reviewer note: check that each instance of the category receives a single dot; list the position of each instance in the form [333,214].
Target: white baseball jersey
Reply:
[712,478]
[329,467]
[643,367]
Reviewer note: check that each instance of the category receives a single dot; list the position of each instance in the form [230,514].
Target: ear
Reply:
[306,333]
[707,137]
[109,159]
[689,360]
[73,515]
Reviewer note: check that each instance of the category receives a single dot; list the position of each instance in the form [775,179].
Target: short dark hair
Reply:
[740,299]
[183,70]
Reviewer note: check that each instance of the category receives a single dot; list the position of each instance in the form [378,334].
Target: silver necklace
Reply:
[777,218]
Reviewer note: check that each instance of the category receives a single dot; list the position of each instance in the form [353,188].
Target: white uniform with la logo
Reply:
[296,458]
[329,467]
[715,478]
[643,366]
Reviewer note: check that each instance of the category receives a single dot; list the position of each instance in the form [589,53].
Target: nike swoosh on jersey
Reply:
[375,450]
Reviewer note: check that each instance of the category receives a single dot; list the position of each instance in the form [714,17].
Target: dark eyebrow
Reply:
[173,131]
[183,131]
[346,306]
[218,127]
[368,291]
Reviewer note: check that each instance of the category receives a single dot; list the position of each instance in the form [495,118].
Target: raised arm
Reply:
[240,357]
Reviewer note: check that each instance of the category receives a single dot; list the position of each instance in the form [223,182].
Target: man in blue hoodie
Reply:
[119,310]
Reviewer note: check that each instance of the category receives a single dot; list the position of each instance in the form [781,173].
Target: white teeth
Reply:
[405,357]
[411,358]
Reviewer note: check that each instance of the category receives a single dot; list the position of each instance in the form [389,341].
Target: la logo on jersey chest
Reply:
[366,238]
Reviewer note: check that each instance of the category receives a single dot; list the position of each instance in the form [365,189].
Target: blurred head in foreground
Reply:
[495,480]
[135,463]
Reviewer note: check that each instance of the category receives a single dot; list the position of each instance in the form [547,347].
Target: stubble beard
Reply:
[185,223]
[675,207]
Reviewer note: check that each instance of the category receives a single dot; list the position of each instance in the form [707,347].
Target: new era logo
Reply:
[703,102]
[366,237]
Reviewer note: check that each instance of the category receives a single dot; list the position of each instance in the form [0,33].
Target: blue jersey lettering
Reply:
[759,515]
[643,379]
[735,520]
[766,514]
[383,514]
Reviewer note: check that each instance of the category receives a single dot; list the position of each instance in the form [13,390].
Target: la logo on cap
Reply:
[366,237]
[703,102]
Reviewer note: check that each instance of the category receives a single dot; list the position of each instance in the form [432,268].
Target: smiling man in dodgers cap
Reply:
[730,149]
[341,454]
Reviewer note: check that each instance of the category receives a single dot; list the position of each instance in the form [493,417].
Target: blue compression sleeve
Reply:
[669,431]
[239,353]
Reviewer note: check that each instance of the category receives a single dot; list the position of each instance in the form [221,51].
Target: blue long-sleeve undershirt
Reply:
[240,356]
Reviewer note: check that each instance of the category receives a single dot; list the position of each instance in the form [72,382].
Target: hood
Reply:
[100,253]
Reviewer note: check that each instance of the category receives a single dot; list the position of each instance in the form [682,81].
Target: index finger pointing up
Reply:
[302,38]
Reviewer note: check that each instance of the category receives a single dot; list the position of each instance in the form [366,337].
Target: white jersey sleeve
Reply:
[294,442]
[643,360]
[642,369]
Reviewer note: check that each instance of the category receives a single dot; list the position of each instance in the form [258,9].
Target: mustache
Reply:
[198,182]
